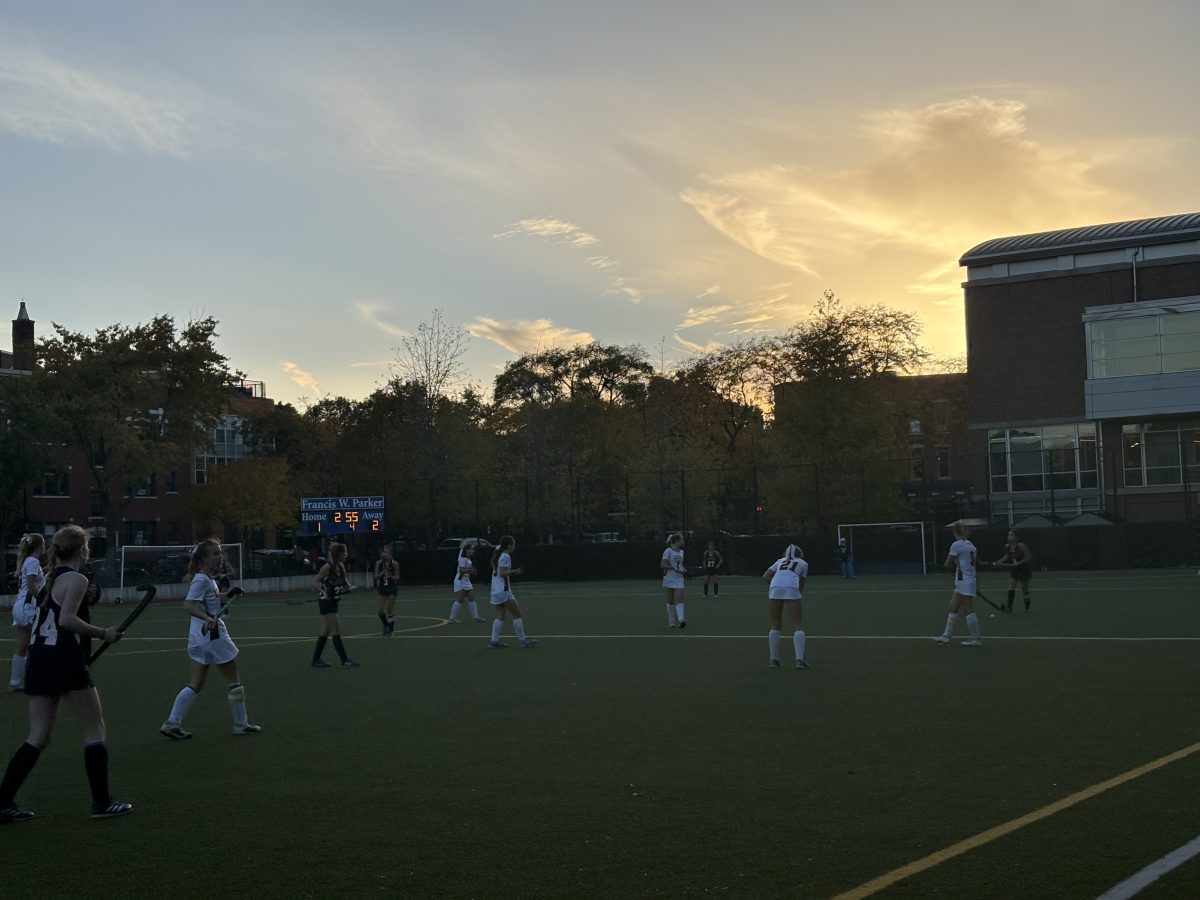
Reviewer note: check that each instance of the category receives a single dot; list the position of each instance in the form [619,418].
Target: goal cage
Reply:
[168,564]
[890,548]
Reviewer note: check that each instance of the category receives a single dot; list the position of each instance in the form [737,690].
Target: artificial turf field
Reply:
[620,758]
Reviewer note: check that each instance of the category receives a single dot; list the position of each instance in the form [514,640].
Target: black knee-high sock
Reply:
[320,647]
[706,590]
[337,645]
[95,763]
[383,617]
[18,770]
[716,589]
[1011,595]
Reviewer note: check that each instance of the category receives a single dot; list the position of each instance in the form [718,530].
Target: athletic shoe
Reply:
[941,639]
[974,642]
[248,728]
[174,732]
[801,664]
[682,624]
[15,688]
[349,664]
[111,809]
[774,664]
[527,642]
[477,619]
[453,621]
[496,645]
[1027,606]
[672,624]
[14,813]
[320,664]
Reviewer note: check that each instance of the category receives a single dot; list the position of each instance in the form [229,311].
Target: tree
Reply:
[431,357]
[133,400]
[24,452]
[251,493]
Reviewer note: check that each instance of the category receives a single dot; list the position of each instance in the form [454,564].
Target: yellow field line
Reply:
[935,859]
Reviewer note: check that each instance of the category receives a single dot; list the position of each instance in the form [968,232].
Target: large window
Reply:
[1063,507]
[1050,457]
[1161,453]
[227,446]
[53,484]
[1144,345]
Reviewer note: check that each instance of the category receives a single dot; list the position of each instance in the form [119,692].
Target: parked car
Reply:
[456,543]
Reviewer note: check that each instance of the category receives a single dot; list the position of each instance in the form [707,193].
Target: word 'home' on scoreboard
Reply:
[341,515]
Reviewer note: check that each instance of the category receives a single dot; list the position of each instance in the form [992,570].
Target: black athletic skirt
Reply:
[54,671]
[1021,573]
[326,606]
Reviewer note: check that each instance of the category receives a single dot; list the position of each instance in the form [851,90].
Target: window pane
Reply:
[1182,323]
[1123,349]
[999,462]
[1162,449]
[1027,482]
[1000,484]
[1181,343]
[1165,475]
[1133,477]
[1116,368]
[1181,362]
[1087,479]
[1122,329]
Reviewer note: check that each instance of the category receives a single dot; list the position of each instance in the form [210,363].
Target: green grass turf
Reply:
[622,759]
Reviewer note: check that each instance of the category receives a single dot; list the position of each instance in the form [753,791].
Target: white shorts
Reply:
[24,614]
[673,580]
[784,593]
[501,598]
[965,588]
[463,584]
[206,651]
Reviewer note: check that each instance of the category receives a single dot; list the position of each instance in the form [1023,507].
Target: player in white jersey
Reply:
[788,576]
[502,599]
[209,644]
[464,590]
[24,609]
[673,570]
[961,560]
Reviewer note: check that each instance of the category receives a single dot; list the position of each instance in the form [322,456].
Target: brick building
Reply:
[157,510]
[1083,350]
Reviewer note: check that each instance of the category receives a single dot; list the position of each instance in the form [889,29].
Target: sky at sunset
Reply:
[320,176]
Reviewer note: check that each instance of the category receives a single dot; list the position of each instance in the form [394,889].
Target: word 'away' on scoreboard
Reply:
[341,515]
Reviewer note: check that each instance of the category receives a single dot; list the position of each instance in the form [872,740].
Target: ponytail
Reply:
[68,542]
[337,559]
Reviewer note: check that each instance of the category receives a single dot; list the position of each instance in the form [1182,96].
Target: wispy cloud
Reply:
[555,231]
[709,291]
[939,178]
[703,315]
[626,287]
[601,262]
[370,313]
[372,364]
[302,379]
[45,97]
[527,336]
[694,347]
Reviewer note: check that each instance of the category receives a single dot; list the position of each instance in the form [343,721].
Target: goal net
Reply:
[168,564]
[890,548]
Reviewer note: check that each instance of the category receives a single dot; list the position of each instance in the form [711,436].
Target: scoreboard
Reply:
[341,515]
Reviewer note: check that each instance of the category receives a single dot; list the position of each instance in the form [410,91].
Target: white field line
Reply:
[1139,881]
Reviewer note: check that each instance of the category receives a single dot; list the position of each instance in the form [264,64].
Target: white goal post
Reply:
[888,548]
[168,563]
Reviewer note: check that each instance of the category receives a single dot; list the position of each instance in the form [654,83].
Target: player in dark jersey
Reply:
[58,670]
[332,583]
[712,562]
[1017,558]
[387,578]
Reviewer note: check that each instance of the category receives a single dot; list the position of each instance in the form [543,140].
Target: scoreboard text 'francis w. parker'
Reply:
[341,515]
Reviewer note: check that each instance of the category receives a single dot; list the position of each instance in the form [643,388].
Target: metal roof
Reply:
[1136,233]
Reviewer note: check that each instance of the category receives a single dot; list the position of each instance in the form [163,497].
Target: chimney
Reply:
[22,341]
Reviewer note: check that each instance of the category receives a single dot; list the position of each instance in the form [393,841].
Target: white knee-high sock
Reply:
[473,609]
[773,642]
[951,621]
[798,643]
[236,696]
[671,614]
[455,609]
[497,624]
[973,625]
[519,627]
[17,671]
[183,702]
[679,609]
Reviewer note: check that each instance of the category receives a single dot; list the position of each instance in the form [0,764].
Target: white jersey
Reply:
[462,575]
[501,590]
[964,555]
[787,574]
[24,609]
[201,646]
[673,574]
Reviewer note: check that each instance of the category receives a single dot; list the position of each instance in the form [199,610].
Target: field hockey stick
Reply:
[229,598]
[148,592]
[984,597]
